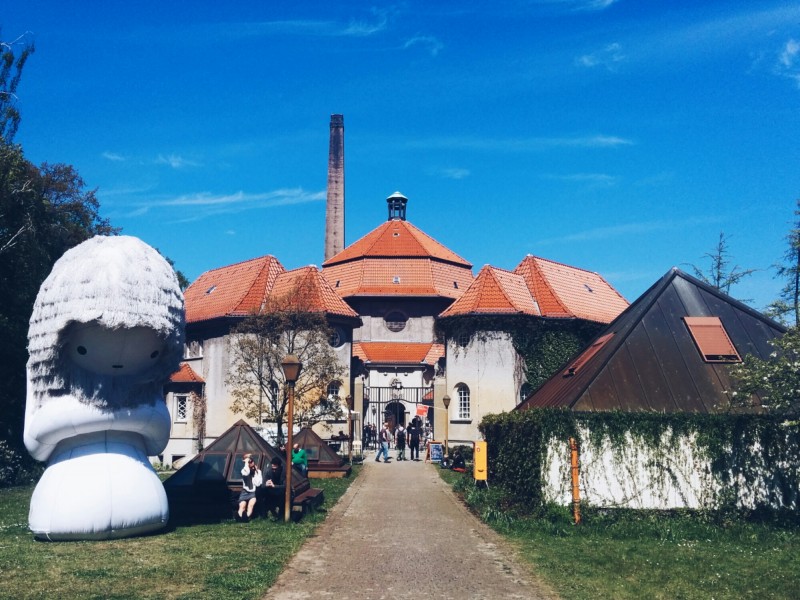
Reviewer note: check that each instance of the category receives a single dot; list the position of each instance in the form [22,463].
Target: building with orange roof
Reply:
[412,325]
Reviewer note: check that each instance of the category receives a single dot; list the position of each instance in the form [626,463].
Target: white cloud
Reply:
[430,42]
[607,57]
[522,144]
[205,204]
[591,178]
[175,161]
[455,173]
[629,229]
[789,61]
[113,156]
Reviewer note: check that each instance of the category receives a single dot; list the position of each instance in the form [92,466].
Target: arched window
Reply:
[462,392]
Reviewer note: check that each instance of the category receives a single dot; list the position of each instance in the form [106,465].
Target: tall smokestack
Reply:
[334,213]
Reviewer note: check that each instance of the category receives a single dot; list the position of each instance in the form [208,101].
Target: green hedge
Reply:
[518,444]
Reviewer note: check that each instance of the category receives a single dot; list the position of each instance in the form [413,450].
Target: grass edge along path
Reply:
[646,554]
[219,560]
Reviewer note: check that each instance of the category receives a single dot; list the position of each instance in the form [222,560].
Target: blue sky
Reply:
[617,136]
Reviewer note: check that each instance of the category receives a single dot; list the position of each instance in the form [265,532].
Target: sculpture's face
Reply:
[104,351]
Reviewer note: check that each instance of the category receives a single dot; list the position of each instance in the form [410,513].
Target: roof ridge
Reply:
[500,285]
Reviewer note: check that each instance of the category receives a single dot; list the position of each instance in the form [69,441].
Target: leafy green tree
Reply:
[44,211]
[787,306]
[720,274]
[772,384]
[257,346]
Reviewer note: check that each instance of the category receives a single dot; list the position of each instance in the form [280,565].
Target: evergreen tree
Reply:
[787,306]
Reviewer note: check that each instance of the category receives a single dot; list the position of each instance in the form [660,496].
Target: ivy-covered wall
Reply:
[646,460]
[544,344]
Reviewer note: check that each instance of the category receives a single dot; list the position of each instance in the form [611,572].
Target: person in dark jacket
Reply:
[275,488]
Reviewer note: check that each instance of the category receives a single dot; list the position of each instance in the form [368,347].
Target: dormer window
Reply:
[712,340]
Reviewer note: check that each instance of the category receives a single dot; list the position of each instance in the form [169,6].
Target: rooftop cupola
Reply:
[397,206]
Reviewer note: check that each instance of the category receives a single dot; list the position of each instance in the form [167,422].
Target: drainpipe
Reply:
[576,492]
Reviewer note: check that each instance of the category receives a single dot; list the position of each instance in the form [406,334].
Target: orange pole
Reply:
[576,492]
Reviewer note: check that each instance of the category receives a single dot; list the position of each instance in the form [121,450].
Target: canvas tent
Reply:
[208,485]
[670,351]
[323,461]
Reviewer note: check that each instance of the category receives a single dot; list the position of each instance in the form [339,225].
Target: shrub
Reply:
[17,468]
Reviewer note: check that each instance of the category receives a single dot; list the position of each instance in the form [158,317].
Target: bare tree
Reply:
[720,273]
[259,344]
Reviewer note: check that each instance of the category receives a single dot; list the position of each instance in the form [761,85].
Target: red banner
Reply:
[422,410]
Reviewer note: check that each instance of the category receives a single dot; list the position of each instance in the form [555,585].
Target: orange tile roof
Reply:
[306,289]
[495,291]
[569,292]
[396,238]
[398,352]
[247,287]
[398,277]
[237,289]
[185,374]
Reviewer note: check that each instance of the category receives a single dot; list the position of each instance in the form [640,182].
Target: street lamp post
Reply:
[349,400]
[446,401]
[291,371]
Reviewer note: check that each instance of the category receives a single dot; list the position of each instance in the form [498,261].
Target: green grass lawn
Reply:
[637,554]
[222,560]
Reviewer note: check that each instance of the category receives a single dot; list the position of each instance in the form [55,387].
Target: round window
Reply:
[395,321]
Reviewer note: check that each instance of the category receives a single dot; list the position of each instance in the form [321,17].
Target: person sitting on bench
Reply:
[275,489]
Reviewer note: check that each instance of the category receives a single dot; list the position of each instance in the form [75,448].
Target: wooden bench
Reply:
[308,500]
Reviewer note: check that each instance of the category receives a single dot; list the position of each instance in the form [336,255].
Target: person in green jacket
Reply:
[299,459]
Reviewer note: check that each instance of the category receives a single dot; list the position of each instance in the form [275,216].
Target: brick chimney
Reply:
[334,212]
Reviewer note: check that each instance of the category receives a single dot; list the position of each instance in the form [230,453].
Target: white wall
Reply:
[635,476]
[491,368]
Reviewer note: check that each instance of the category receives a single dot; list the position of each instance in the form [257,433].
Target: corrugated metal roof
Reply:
[651,362]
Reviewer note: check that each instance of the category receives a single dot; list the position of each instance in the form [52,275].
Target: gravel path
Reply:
[400,532]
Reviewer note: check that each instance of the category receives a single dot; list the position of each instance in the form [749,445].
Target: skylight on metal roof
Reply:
[712,340]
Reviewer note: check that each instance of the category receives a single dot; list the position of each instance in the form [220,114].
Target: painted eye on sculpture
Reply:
[154,354]
[82,350]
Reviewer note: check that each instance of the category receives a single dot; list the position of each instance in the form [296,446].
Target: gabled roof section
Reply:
[647,359]
[562,291]
[305,289]
[185,374]
[398,352]
[397,259]
[495,291]
[395,239]
[235,290]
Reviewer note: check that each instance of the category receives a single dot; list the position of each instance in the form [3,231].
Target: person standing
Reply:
[413,434]
[383,444]
[251,479]
[400,442]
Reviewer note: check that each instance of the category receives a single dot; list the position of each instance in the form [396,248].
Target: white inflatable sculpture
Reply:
[105,335]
